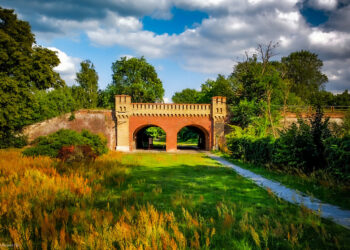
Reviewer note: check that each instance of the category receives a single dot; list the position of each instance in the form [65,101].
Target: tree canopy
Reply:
[137,78]
[187,96]
[87,78]
[304,69]
[24,69]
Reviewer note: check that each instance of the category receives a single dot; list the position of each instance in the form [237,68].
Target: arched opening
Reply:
[149,137]
[192,138]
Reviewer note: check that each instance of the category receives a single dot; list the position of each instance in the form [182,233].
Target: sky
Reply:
[188,41]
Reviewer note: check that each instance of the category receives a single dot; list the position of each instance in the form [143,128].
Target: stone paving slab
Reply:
[328,211]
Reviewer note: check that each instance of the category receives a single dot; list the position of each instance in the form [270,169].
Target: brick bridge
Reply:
[134,118]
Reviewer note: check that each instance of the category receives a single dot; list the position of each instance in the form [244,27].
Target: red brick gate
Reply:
[131,117]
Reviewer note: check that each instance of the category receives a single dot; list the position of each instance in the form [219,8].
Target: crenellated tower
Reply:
[122,112]
[218,114]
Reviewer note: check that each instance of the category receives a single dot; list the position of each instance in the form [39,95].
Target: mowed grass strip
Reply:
[149,200]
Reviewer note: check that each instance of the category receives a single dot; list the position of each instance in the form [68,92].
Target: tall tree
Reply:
[88,82]
[222,86]
[304,69]
[24,69]
[258,84]
[137,78]
[187,96]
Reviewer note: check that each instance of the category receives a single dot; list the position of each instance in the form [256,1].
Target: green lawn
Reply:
[245,215]
[160,143]
[324,190]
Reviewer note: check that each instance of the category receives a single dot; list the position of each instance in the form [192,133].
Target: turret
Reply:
[219,113]
[122,113]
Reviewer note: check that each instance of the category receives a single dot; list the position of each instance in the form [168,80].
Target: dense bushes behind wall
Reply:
[306,146]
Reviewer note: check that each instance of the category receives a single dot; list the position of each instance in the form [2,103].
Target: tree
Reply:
[137,78]
[342,99]
[222,86]
[24,69]
[49,104]
[246,81]
[87,78]
[304,69]
[187,96]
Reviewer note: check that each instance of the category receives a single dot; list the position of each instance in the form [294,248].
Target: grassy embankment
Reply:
[152,201]
[319,184]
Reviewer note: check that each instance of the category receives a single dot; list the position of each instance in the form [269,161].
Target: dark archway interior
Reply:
[150,137]
[191,137]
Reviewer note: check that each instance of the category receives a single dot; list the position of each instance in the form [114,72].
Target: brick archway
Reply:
[133,136]
[131,117]
[203,130]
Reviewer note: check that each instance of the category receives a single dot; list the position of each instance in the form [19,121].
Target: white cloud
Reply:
[324,4]
[232,27]
[68,66]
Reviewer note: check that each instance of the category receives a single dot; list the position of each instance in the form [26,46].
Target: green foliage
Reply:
[24,69]
[244,144]
[307,147]
[86,94]
[71,117]
[342,99]
[134,77]
[304,69]
[222,86]
[51,144]
[337,151]
[155,132]
[245,113]
[295,148]
[188,134]
[345,127]
[187,96]
[49,104]
[246,78]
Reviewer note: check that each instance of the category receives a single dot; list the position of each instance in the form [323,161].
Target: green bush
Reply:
[338,156]
[51,144]
[8,139]
[295,148]
[306,146]
[245,145]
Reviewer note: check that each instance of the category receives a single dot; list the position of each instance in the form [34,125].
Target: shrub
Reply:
[77,153]
[9,139]
[51,144]
[338,156]
[306,146]
[295,148]
[243,145]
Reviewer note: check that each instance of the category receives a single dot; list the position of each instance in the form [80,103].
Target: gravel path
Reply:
[336,214]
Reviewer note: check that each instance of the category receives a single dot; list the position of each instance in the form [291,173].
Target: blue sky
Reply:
[188,41]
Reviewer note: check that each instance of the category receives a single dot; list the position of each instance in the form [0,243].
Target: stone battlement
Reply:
[164,109]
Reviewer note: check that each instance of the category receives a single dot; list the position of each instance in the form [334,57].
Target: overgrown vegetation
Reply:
[307,149]
[51,144]
[158,201]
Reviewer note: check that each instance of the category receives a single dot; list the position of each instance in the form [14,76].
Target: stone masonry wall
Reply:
[96,121]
